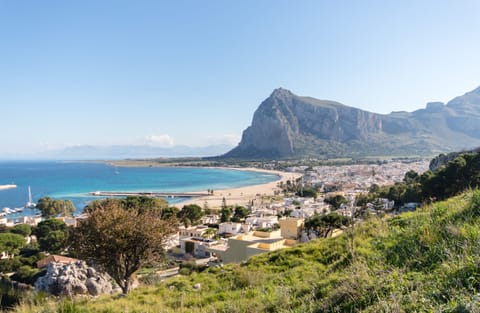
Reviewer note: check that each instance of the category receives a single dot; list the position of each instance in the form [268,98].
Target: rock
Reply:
[74,279]
[286,125]
[197,286]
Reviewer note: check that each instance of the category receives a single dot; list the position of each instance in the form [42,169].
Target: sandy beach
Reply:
[242,195]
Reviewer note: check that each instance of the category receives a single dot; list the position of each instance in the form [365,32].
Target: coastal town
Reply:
[235,224]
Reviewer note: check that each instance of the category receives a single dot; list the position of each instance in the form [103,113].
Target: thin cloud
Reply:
[163,140]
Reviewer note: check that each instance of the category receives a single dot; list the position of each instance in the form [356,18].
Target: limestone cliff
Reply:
[286,125]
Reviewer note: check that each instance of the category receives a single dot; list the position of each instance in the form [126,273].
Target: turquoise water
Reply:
[74,180]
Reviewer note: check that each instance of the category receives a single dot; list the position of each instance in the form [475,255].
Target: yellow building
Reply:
[291,228]
[241,247]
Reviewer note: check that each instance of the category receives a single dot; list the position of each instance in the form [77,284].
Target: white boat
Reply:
[7,210]
[30,204]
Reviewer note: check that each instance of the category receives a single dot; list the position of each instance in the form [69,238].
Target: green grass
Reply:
[426,261]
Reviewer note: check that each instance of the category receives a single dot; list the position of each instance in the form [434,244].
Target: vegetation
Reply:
[307,192]
[448,180]
[424,261]
[323,225]
[121,239]
[336,201]
[190,214]
[52,235]
[11,243]
[51,207]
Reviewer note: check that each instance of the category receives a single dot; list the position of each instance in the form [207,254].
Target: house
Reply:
[262,222]
[69,221]
[232,228]
[241,247]
[291,228]
[197,247]
[56,259]
[192,231]
[29,220]
[210,219]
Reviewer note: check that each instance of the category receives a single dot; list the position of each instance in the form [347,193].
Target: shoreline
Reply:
[242,195]
[233,196]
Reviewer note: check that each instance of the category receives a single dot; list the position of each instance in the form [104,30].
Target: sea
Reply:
[74,180]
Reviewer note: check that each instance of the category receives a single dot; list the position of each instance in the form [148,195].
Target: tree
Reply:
[47,226]
[190,214]
[121,240]
[240,213]
[52,235]
[22,229]
[11,243]
[308,193]
[225,214]
[52,207]
[323,225]
[138,202]
[336,201]
[54,242]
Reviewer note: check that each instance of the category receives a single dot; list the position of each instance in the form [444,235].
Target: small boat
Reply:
[30,204]
[7,210]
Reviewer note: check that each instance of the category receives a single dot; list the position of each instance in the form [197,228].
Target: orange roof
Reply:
[54,258]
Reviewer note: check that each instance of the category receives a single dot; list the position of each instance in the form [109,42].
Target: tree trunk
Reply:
[126,286]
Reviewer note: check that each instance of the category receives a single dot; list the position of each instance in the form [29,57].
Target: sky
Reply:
[193,72]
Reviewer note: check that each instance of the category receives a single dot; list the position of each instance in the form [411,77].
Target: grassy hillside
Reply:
[425,261]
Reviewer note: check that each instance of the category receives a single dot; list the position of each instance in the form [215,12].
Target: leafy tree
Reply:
[170,212]
[138,202]
[11,243]
[52,207]
[323,225]
[52,235]
[22,229]
[47,226]
[121,240]
[54,242]
[190,214]
[336,201]
[145,203]
[240,213]
[225,214]
[308,193]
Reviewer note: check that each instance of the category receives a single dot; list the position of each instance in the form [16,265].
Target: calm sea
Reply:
[74,180]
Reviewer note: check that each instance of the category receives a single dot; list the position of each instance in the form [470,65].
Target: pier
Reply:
[147,194]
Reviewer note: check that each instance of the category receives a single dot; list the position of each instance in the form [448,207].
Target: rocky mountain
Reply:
[287,126]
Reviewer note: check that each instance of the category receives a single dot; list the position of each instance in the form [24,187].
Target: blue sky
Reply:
[193,72]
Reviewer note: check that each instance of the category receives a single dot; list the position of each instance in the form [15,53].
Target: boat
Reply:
[30,204]
[5,187]
[7,210]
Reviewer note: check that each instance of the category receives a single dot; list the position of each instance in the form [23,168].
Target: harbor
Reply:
[147,194]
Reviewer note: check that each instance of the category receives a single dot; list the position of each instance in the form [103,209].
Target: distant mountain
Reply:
[134,151]
[287,126]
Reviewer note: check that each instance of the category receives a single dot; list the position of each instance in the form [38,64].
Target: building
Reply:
[241,247]
[210,219]
[192,231]
[230,228]
[197,247]
[56,259]
[291,228]
[262,222]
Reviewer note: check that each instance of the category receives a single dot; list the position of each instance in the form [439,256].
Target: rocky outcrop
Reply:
[74,279]
[286,125]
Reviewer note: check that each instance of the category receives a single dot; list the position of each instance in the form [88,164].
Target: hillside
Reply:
[424,261]
[289,126]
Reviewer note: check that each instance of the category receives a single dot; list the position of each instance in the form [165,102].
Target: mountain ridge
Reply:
[289,126]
